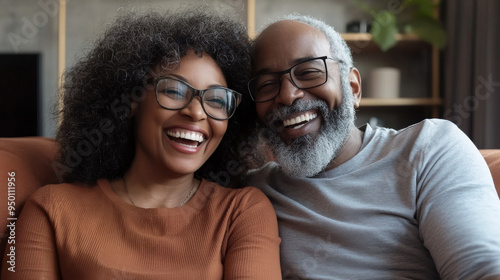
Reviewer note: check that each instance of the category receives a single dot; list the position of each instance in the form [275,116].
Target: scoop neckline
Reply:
[105,186]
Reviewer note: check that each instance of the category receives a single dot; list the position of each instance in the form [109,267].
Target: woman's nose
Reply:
[194,110]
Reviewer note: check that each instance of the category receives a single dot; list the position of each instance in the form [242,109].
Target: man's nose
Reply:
[288,92]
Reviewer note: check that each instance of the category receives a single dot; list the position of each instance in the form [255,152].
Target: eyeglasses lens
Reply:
[307,74]
[219,103]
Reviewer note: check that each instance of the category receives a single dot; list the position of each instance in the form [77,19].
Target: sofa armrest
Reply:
[492,158]
[26,163]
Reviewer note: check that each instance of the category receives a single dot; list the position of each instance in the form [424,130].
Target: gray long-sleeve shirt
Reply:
[417,203]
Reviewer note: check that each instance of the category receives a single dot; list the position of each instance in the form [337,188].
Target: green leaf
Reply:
[428,29]
[424,7]
[384,30]
[362,6]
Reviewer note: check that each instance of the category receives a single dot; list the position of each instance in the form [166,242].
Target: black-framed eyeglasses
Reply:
[173,94]
[304,75]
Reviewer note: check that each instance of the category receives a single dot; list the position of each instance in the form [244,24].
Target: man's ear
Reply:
[355,83]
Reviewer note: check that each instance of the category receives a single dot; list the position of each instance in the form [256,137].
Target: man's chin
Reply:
[304,170]
[308,150]
[301,140]
[296,157]
[296,144]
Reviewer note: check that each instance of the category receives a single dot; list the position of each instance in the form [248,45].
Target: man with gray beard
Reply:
[362,203]
[296,155]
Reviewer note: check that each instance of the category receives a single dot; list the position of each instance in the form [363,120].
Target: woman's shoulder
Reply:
[52,193]
[246,190]
[252,193]
[246,209]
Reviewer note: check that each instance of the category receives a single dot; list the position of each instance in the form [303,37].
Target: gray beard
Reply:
[307,156]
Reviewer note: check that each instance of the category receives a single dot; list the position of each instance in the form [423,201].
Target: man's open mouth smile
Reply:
[299,121]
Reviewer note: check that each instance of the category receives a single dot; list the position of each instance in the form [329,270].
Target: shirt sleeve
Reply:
[458,208]
[253,244]
[34,246]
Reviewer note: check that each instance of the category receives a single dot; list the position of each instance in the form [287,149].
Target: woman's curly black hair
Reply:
[95,135]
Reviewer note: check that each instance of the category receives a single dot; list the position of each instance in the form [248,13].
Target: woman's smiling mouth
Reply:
[188,138]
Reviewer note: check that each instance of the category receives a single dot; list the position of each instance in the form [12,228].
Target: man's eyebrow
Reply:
[294,62]
[302,59]
[262,71]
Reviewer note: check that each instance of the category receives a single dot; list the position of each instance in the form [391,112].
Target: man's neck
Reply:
[351,147]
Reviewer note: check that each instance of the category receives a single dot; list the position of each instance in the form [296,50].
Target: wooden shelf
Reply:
[379,102]
[407,43]
[351,37]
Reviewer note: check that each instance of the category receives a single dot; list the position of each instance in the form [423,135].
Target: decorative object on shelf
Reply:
[410,16]
[384,82]
[359,26]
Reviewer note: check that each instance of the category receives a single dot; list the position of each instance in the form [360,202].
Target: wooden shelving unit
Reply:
[376,102]
[419,66]
[368,37]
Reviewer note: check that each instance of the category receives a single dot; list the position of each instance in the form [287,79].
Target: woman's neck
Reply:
[149,184]
[145,192]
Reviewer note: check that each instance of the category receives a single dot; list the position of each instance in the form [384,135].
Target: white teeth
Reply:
[190,146]
[194,136]
[299,119]
[299,126]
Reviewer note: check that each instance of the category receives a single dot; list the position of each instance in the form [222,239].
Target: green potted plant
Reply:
[410,17]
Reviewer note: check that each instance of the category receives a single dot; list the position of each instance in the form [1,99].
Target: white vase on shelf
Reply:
[384,82]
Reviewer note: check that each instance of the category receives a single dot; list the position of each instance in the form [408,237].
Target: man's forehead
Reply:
[286,29]
[287,43]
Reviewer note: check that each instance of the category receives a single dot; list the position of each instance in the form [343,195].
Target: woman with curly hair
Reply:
[149,116]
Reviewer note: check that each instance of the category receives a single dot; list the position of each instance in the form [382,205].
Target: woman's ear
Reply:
[355,83]
[134,106]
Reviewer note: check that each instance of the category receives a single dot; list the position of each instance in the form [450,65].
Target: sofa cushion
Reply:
[31,158]
[26,163]
[492,158]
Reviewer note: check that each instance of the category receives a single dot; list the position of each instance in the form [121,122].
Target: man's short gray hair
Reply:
[339,50]
[338,46]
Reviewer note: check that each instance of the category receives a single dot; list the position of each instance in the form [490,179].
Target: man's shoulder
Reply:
[434,130]
[436,125]
[425,136]
[426,126]
[425,130]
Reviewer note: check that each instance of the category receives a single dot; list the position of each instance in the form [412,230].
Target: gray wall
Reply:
[28,27]
[31,26]
[334,12]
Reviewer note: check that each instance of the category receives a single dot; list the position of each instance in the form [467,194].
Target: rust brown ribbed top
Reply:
[70,231]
